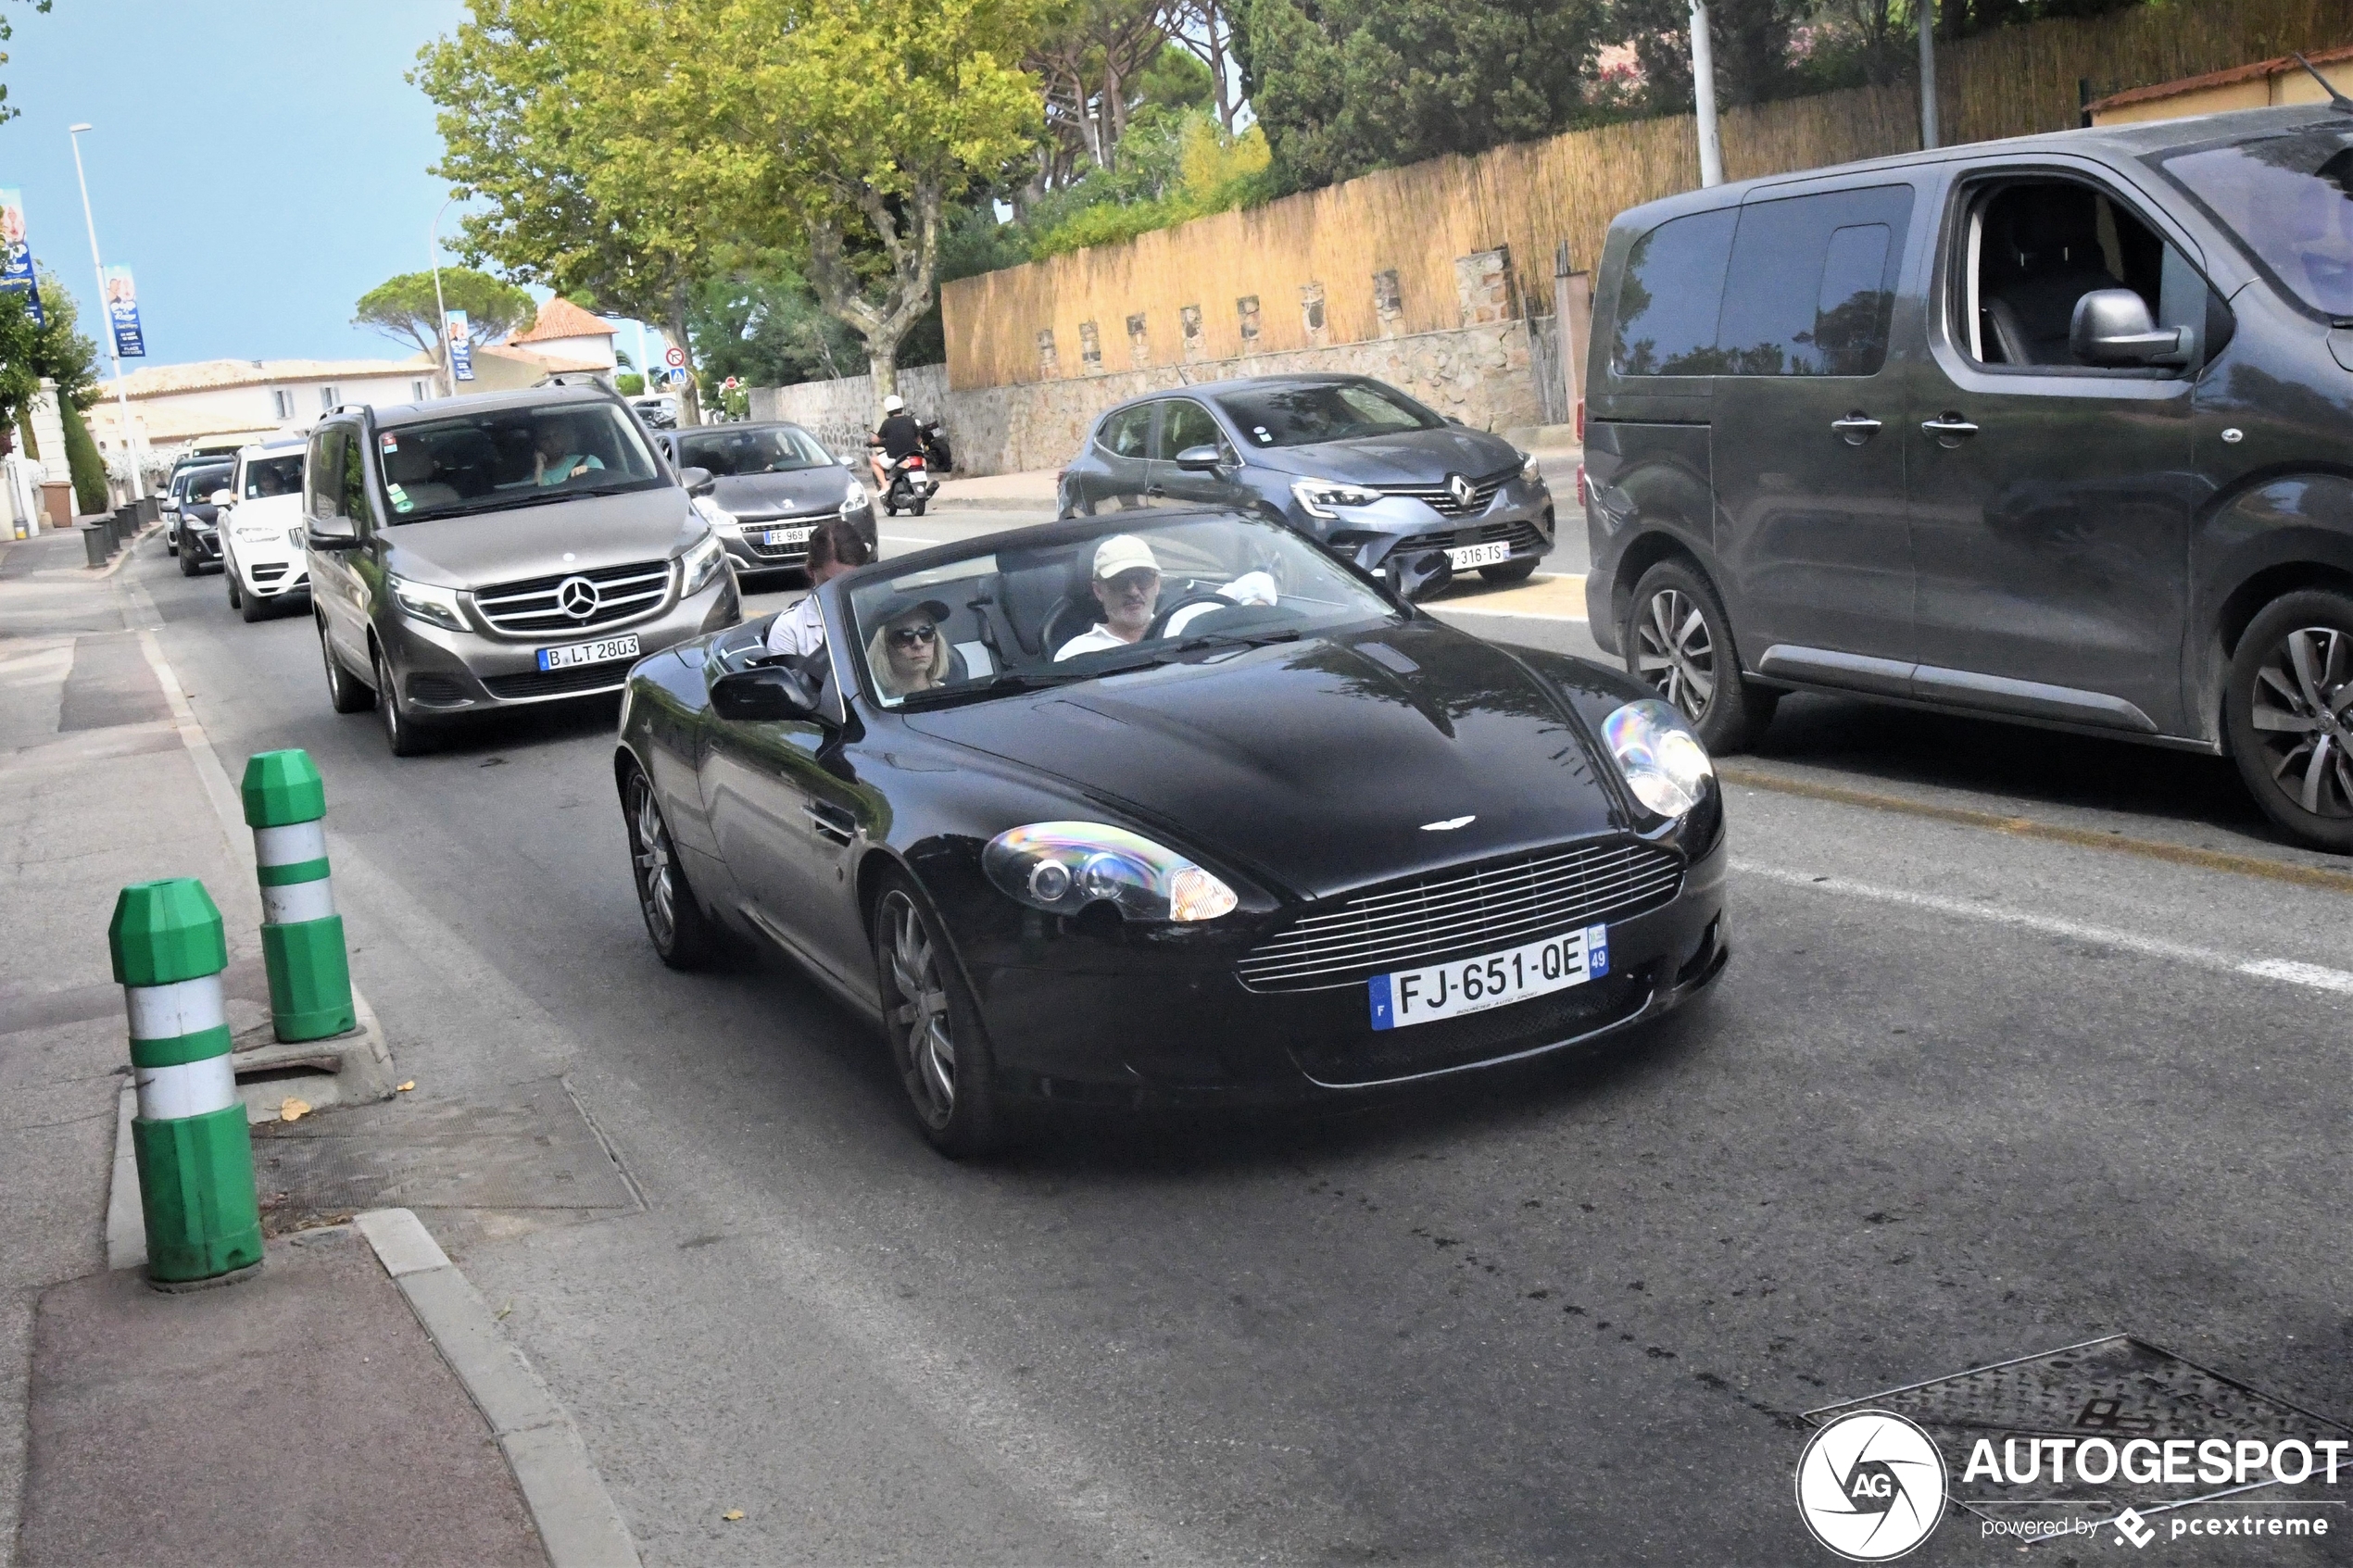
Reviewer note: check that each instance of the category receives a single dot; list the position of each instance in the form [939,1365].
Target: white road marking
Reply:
[2311,976]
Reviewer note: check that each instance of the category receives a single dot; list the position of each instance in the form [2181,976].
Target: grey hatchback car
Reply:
[494,551]
[1350,462]
[2049,430]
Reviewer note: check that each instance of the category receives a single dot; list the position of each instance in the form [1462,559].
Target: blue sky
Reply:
[257,164]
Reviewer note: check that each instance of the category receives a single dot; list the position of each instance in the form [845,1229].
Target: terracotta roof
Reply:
[560,318]
[541,361]
[2220,78]
[206,375]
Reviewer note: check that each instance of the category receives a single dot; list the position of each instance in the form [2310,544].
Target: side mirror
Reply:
[767,691]
[331,534]
[2113,327]
[1201,460]
[699,481]
[223,498]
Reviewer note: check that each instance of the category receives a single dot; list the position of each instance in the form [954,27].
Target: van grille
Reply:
[610,676]
[1457,913]
[534,607]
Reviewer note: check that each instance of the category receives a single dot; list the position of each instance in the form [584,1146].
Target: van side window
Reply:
[2036,247]
[1127,433]
[1815,284]
[1668,300]
[354,485]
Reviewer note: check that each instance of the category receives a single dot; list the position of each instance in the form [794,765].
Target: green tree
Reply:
[403,308]
[82,456]
[1344,86]
[8,31]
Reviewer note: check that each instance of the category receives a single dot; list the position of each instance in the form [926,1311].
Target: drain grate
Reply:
[2118,1388]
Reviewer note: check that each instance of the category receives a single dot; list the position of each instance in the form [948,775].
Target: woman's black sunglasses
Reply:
[908,636]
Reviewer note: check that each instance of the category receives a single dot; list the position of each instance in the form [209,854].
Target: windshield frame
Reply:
[2160,163]
[514,496]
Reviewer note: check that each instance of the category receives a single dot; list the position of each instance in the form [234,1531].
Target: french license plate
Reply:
[776,536]
[590,653]
[1468,556]
[1407,997]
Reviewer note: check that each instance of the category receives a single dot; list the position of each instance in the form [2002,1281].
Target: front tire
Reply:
[188,565]
[683,935]
[251,608]
[344,694]
[402,734]
[1679,640]
[936,1037]
[236,599]
[2288,713]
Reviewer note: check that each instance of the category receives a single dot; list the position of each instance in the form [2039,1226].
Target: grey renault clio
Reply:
[2050,430]
[499,550]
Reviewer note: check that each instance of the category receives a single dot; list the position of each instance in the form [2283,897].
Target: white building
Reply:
[173,406]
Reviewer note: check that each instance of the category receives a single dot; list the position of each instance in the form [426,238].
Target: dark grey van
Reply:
[2052,430]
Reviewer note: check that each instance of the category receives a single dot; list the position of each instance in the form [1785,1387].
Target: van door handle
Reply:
[1949,429]
[1856,428]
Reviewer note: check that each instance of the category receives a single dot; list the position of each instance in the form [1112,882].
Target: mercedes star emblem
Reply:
[1462,489]
[576,596]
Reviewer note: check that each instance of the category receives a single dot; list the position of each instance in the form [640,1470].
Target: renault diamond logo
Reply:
[1450,824]
[576,596]
[1462,489]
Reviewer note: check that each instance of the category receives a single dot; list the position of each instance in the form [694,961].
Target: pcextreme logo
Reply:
[1870,1486]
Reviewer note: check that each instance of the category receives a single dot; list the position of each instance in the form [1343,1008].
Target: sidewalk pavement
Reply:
[1033,490]
[288,1418]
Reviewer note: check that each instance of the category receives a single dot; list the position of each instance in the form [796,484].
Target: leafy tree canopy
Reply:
[403,309]
[8,31]
[55,351]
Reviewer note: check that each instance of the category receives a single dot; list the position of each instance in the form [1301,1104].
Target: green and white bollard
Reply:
[194,1151]
[301,935]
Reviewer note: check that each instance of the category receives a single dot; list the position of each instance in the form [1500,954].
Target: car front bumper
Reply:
[1407,540]
[442,671]
[201,543]
[744,548]
[266,570]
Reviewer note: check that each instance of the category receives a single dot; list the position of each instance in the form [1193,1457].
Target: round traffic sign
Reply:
[675,357]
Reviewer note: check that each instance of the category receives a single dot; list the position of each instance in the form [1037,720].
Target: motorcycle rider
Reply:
[898,436]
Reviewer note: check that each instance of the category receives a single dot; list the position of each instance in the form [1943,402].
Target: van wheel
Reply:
[402,734]
[2289,715]
[344,694]
[1679,640]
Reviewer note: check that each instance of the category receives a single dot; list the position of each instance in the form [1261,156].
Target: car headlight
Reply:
[704,559]
[1063,867]
[423,601]
[716,515]
[1530,470]
[854,498]
[1319,496]
[1665,765]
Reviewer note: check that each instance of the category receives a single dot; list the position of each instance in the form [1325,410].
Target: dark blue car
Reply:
[1347,460]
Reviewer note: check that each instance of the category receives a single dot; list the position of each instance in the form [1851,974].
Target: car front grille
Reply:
[1460,912]
[534,607]
[1440,499]
[605,677]
[269,570]
[1520,535]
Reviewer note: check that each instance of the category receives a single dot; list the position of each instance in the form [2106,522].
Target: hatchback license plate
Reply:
[787,536]
[1406,997]
[590,653]
[1468,556]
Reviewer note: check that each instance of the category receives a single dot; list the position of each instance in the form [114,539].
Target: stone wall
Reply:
[1479,374]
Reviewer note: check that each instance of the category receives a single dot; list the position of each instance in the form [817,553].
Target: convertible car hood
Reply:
[1326,764]
[579,535]
[778,494]
[1419,456]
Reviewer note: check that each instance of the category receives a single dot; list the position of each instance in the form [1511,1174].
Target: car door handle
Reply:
[1156,491]
[1856,428]
[1949,429]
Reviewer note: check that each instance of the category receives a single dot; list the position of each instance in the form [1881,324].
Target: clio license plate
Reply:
[1468,556]
[1407,997]
[776,536]
[596,652]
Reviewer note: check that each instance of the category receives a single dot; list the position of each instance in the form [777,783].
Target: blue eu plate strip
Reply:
[1383,1015]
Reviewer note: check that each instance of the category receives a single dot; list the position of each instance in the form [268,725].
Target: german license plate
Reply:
[1406,997]
[624,647]
[1469,556]
[776,536]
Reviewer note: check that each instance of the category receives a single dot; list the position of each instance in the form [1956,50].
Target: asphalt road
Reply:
[1966,1093]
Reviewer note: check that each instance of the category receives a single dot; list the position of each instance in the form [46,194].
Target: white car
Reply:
[262,539]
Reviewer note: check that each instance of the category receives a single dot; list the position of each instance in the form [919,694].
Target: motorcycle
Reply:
[911,485]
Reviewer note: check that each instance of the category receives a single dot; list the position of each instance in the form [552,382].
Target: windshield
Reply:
[1301,416]
[2289,199]
[197,484]
[1017,619]
[273,476]
[729,452]
[503,457]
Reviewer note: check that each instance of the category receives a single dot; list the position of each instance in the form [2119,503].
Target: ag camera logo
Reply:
[1870,1486]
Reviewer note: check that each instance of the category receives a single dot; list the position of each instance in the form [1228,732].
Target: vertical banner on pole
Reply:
[461,349]
[122,313]
[16,253]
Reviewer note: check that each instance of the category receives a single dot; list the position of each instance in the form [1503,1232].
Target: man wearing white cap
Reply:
[1126,584]
[894,438]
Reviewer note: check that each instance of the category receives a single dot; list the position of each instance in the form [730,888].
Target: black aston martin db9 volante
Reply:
[1172,808]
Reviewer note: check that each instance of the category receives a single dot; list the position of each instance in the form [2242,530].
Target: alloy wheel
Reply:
[919,1019]
[1675,652]
[2302,712]
[656,861]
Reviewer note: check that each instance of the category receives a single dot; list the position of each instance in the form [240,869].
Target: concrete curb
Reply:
[578,1523]
[122,556]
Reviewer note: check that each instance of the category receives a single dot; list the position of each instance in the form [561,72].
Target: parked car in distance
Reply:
[1350,462]
[482,553]
[260,530]
[192,519]
[2049,430]
[772,485]
[659,412]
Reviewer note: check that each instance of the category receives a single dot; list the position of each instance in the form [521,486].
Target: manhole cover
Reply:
[2130,1413]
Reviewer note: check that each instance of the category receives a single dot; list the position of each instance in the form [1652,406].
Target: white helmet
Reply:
[893,404]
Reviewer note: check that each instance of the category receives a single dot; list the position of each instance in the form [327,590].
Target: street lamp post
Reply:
[1711,146]
[441,311]
[122,393]
[1928,72]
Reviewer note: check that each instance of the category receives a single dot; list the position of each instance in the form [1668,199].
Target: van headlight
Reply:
[703,560]
[1319,496]
[425,602]
[1664,762]
[1063,867]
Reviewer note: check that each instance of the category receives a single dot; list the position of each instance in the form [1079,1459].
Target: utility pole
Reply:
[440,309]
[1928,72]
[122,393]
[1711,147]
